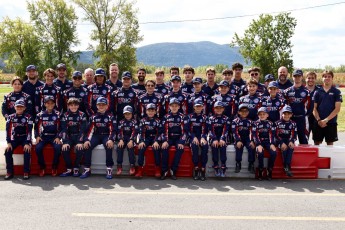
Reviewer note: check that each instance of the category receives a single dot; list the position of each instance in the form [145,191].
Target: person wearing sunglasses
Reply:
[254,73]
[150,97]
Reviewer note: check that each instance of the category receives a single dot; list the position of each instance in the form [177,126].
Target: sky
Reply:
[318,40]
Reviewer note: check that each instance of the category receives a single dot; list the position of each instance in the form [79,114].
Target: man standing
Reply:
[312,87]
[161,87]
[187,86]
[283,81]
[327,102]
[254,73]
[210,86]
[237,80]
[298,97]
[113,80]
[140,86]
[61,80]
[89,77]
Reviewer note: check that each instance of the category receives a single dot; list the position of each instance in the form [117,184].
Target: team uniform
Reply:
[10,99]
[63,85]
[48,90]
[162,89]
[180,96]
[30,89]
[146,99]
[311,118]
[209,90]
[299,100]
[187,88]
[73,126]
[239,83]
[123,97]
[48,127]
[253,103]
[218,127]
[229,104]
[79,93]
[261,90]
[273,107]
[113,86]
[207,101]
[140,89]
[283,87]
[18,133]
[94,92]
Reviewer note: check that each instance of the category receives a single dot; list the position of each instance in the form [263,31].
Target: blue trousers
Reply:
[97,140]
[40,156]
[222,155]
[302,129]
[67,153]
[156,152]
[177,158]
[287,154]
[9,157]
[271,160]
[239,152]
[130,153]
[195,154]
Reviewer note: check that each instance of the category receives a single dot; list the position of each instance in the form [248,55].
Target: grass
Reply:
[341,115]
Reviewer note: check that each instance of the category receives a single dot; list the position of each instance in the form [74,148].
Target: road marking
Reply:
[222,193]
[208,217]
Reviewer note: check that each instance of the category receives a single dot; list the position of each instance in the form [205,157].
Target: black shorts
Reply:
[330,133]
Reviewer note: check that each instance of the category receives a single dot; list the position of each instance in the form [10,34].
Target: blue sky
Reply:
[318,40]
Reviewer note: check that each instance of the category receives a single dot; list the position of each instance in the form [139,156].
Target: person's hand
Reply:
[141,145]
[291,145]
[322,123]
[120,144]
[110,144]
[259,148]
[65,147]
[203,141]
[195,141]
[215,144]
[222,143]
[9,147]
[180,146]
[130,144]
[283,147]
[79,146]
[57,141]
[239,144]
[165,145]
[272,147]
[252,144]
[27,148]
[38,139]
[155,145]
[87,144]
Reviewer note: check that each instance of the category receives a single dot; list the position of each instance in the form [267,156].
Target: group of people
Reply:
[81,114]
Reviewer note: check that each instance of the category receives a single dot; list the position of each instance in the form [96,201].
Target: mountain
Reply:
[180,54]
[191,53]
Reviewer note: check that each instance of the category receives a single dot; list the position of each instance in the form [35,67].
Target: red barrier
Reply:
[149,166]
[185,168]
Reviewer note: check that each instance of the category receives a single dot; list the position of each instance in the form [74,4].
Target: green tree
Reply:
[56,24]
[116,32]
[19,45]
[266,42]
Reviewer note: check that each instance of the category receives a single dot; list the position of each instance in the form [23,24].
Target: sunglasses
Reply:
[150,86]
[77,78]
[254,74]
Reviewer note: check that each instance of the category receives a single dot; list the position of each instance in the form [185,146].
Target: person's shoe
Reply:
[139,173]
[173,174]
[85,174]
[41,173]
[251,168]
[132,170]
[288,172]
[203,174]
[26,176]
[196,174]
[269,174]
[67,173]
[260,174]
[54,172]
[109,174]
[157,172]
[217,171]
[238,167]
[222,171]
[164,175]
[8,176]
[76,172]
[119,170]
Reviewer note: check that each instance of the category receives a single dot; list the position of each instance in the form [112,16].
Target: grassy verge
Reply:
[341,115]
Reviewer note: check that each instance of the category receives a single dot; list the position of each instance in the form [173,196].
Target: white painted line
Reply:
[207,217]
[222,193]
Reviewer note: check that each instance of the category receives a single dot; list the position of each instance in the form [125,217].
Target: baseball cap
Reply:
[198,101]
[101,72]
[126,74]
[262,109]
[77,74]
[224,83]
[127,109]
[102,100]
[272,84]
[150,106]
[49,98]
[218,104]
[297,72]
[197,80]
[30,67]
[175,77]
[174,101]
[243,106]
[287,108]
[19,103]
[269,77]
[61,66]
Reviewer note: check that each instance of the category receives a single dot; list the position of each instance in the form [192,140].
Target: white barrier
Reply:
[337,167]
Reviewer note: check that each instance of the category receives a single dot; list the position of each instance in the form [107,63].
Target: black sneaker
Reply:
[269,174]
[251,168]
[238,167]
[8,176]
[203,174]
[164,175]
[288,172]
[260,174]
[173,174]
[196,174]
